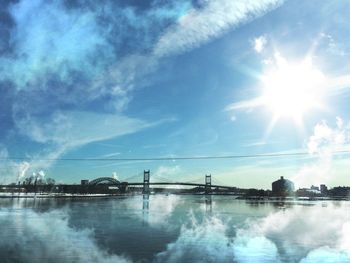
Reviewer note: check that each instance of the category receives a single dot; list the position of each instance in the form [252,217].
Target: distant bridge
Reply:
[185,184]
[104,179]
[207,185]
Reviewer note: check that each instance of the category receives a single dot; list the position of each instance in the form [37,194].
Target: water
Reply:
[172,228]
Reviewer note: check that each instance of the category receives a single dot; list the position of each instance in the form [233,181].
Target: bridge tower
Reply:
[146,177]
[207,183]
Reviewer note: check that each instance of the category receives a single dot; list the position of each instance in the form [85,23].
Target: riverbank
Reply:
[54,195]
[235,196]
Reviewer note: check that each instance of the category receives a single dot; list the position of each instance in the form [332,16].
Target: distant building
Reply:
[340,191]
[282,187]
[323,189]
[315,188]
[84,182]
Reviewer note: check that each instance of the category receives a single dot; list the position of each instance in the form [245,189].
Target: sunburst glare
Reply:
[292,89]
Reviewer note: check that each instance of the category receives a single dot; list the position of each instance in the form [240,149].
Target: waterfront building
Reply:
[282,187]
[323,189]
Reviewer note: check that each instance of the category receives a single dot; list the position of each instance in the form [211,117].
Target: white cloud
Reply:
[259,44]
[161,208]
[10,170]
[41,173]
[47,49]
[299,234]
[325,255]
[322,144]
[216,17]
[314,228]
[250,248]
[52,237]
[199,242]
[326,139]
[156,210]
[167,171]
[50,42]
[115,176]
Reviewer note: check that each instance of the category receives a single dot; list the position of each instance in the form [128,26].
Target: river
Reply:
[173,228]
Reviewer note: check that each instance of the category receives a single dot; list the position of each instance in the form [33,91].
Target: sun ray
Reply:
[271,125]
[292,89]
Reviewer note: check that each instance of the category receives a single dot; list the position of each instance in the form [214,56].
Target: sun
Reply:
[292,89]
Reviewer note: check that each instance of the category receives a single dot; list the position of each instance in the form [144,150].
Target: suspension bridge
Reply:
[208,185]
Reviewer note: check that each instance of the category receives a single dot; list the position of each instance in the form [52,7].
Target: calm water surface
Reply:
[173,228]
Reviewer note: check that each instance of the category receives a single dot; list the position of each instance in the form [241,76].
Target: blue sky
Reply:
[142,79]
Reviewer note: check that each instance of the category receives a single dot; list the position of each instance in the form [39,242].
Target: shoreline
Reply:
[237,197]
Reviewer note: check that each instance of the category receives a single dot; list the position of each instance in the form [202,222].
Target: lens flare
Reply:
[291,90]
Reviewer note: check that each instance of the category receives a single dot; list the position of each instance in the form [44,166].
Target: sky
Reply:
[143,79]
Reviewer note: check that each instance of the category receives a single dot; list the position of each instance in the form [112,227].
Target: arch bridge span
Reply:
[103,180]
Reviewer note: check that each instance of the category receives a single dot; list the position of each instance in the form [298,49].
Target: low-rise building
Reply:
[282,187]
[323,189]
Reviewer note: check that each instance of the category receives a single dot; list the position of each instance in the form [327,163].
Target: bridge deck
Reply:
[185,184]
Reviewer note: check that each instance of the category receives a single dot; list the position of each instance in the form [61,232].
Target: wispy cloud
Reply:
[75,128]
[216,17]
[332,46]
[119,164]
[109,155]
[69,130]
[338,84]
[255,143]
[245,104]
[64,60]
